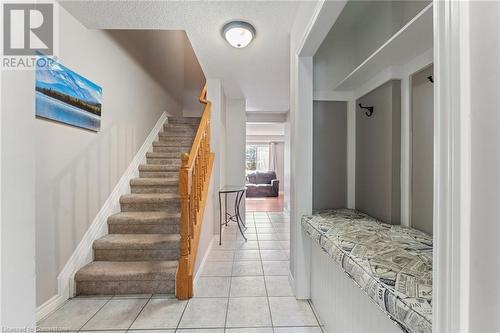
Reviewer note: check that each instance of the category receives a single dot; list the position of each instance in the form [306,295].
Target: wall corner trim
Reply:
[291,280]
[83,253]
[204,260]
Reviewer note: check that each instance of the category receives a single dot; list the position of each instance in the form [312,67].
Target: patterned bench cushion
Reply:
[392,264]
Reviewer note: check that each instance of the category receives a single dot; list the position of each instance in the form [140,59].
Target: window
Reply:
[257,157]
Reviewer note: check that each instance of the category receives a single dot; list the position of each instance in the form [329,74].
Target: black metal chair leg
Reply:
[238,211]
[225,209]
[220,220]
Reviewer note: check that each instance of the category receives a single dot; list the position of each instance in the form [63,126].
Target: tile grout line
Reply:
[139,313]
[182,315]
[229,291]
[109,299]
[265,287]
[315,316]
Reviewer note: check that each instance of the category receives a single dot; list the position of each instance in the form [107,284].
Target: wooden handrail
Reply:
[194,179]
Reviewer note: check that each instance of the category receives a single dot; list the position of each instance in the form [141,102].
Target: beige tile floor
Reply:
[243,288]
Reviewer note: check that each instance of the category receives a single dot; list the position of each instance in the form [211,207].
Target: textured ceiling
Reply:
[259,73]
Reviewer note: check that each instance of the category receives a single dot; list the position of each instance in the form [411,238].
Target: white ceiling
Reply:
[259,72]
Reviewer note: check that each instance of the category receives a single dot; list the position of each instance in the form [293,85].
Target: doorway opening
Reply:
[265,160]
[264,167]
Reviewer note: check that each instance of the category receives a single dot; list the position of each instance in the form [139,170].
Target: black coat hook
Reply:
[369,108]
[430,78]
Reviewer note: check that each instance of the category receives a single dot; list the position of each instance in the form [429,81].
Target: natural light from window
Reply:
[257,157]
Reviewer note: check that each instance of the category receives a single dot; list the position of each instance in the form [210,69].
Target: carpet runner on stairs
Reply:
[140,253]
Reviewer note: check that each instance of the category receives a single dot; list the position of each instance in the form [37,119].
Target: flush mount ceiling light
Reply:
[238,33]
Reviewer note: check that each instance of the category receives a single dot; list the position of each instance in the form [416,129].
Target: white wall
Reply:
[168,57]
[210,225]
[280,163]
[207,227]
[301,95]
[286,167]
[77,169]
[235,145]
[485,165]
[17,200]
[235,141]
[266,117]
[215,94]
[268,128]
[194,79]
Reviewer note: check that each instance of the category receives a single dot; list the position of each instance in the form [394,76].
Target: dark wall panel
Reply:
[378,153]
[422,166]
[329,155]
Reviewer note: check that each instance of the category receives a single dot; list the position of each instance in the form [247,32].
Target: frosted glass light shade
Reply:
[238,34]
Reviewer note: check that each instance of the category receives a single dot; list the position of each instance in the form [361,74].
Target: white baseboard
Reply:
[49,306]
[204,260]
[286,211]
[292,281]
[83,253]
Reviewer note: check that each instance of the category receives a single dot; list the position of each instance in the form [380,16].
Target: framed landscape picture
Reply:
[67,97]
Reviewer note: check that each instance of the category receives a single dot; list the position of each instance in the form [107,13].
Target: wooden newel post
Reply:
[183,286]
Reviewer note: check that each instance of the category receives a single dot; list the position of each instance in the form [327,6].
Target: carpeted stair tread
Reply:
[181,140]
[165,161]
[188,127]
[173,145]
[154,182]
[137,202]
[164,155]
[184,120]
[145,218]
[148,197]
[178,133]
[167,154]
[158,167]
[127,271]
[143,222]
[137,241]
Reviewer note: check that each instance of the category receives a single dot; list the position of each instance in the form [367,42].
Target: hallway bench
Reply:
[390,264]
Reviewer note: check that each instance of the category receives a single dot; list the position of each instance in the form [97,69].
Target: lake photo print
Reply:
[67,97]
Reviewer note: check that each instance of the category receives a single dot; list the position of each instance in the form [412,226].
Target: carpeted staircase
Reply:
[140,253]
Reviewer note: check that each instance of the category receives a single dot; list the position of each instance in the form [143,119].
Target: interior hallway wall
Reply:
[194,80]
[17,242]
[484,166]
[280,162]
[422,152]
[235,141]
[329,155]
[286,166]
[76,170]
[378,151]
[210,225]
[168,58]
[300,120]
[235,144]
